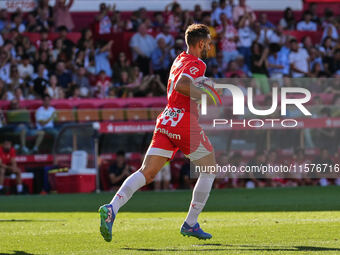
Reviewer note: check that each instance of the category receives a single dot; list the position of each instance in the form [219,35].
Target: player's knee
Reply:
[148,174]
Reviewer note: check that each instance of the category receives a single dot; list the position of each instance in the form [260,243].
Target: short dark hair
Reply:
[307,12]
[293,40]
[46,96]
[120,153]
[195,33]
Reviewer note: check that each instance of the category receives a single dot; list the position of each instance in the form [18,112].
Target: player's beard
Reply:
[204,53]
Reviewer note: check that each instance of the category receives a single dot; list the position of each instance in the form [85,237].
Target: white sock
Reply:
[19,188]
[199,197]
[133,183]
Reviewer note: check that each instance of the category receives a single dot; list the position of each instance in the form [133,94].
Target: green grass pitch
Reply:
[260,221]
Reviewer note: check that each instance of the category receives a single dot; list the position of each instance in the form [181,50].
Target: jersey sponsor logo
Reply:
[193,70]
[169,134]
[173,115]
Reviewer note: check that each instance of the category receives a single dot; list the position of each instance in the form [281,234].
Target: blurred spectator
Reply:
[229,38]
[222,65]
[81,80]
[122,64]
[53,89]
[163,178]
[173,17]
[102,58]
[40,82]
[103,84]
[178,48]
[326,136]
[44,117]
[306,24]
[158,21]
[323,159]
[315,61]
[160,60]
[125,80]
[80,59]
[75,92]
[234,71]
[299,60]
[197,15]
[206,20]
[243,10]
[57,49]
[17,128]
[62,15]
[44,38]
[32,24]
[67,44]
[14,80]
[103,19]
[44,13]
[17,22]
[257,179]
[332,65]
[25,68]
[246,38]
[119,170]
[63,75]
[312,8]
[214,6]
[298,179]
[142,46]
[214,72]
[3,91]
[258,60]
[226,9]
[306,43]
[264,21]
[277,178]
[242,66]
[4,65]
[152,87]
[8,165]
[276,62]
[326,49]
[3,19]
[331,31]
[168,38]
[184,176]
[28,47]
[288,21]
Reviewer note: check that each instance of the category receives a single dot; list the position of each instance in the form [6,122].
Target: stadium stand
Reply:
[107,82]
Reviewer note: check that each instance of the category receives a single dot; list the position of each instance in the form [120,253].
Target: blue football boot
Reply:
[107,217]
[194,231]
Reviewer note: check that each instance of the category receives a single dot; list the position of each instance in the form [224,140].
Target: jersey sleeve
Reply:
[194,69]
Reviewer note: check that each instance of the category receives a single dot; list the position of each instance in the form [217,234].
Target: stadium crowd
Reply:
[243,46]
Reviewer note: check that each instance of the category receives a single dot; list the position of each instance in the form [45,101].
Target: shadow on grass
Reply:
[18,253]
[23,221]
[228,247]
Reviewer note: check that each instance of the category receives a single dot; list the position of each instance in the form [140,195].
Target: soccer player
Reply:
[177,127]
[9,165]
